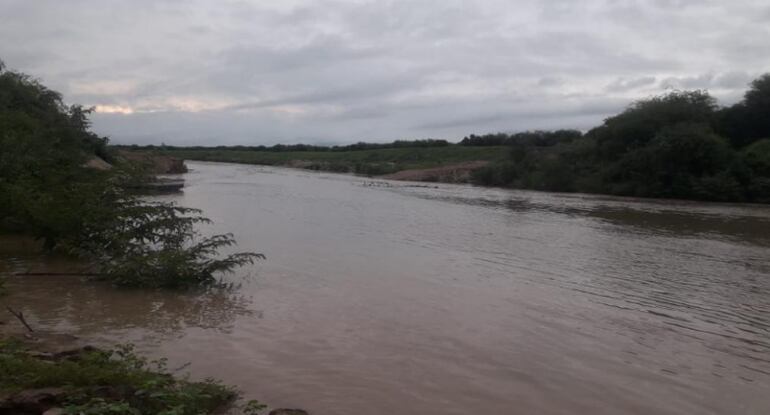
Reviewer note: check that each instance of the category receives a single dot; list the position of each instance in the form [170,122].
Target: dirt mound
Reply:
[158,164]
[451,173]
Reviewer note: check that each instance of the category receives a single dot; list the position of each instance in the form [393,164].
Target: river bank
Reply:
[449,164]
[49,373]
[50,370]
[558,303]
[54,373]
[487,166]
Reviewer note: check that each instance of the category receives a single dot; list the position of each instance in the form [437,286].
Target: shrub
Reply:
[111,382]
[156,245]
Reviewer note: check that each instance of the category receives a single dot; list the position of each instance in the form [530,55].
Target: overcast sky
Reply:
[315,71]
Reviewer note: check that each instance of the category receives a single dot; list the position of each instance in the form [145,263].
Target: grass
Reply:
[368,162]
[110,382]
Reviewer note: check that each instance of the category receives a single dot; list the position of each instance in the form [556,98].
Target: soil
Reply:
[451,173]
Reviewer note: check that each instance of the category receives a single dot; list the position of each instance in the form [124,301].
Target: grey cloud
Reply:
[622,84]
[465,122]
[733,80]
[702,81]
[232,72]
[550,81]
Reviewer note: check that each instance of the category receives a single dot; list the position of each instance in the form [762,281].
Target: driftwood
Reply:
[19,315]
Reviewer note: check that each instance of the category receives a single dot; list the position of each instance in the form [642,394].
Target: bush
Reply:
[110,382]
[155,245]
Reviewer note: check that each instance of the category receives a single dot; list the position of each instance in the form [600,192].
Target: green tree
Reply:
[641,122]
[749,120]
[47,192]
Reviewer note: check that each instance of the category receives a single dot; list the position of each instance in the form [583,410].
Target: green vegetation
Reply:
[369,162]
[47,191]
[678,145]
[91,381]
[155,245]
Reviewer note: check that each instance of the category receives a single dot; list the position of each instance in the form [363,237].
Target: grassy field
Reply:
[367,162]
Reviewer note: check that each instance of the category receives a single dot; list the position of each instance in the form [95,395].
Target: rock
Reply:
[41,355]
[283,411]
[156,163]
[34,400]
[73,354]
[98,163]
[113,393]
[54,411]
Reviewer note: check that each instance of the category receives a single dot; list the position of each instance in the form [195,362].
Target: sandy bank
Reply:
[451,173]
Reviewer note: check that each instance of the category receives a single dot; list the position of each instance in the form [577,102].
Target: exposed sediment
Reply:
[451,173]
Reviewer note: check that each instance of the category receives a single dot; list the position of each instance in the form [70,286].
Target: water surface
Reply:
[390,297]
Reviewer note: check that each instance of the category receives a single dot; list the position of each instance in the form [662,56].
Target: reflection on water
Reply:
[381,297]
[652,217]
[94,307]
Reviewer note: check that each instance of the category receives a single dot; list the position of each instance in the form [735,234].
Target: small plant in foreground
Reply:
[110,382]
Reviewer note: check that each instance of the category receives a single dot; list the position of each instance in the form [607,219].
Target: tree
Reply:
[48,193]
[757,102]
[749,120]
[642,120]
[757,156]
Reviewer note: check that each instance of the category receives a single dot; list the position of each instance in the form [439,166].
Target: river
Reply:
[383,297]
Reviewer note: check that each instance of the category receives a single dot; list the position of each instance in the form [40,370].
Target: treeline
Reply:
[278,148]
[530,138]
[677,145]
[47,191]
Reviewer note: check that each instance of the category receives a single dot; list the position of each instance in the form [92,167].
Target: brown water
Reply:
[448,299]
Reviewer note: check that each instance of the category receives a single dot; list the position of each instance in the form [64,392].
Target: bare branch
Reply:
[19,315]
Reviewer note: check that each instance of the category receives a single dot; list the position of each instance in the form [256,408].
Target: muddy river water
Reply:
[393,297]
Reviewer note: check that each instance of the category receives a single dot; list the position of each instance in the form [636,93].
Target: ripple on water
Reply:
[453,299]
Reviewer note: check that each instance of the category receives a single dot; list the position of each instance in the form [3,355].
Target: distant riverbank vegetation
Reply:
[355,159]
[677,145]
[50,191]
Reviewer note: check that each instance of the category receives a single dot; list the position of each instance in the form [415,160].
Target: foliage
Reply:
[253,407]
[156,245]
[111,382]
[528,138]
[673,164]
[747,121]
[642,121]
[668,146]
[46,191]
[43,146]
[757,157]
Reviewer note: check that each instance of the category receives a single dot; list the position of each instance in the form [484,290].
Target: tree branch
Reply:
[19,315]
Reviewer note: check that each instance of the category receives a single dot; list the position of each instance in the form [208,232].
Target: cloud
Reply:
[733,81]
[623,84]
[237,72]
